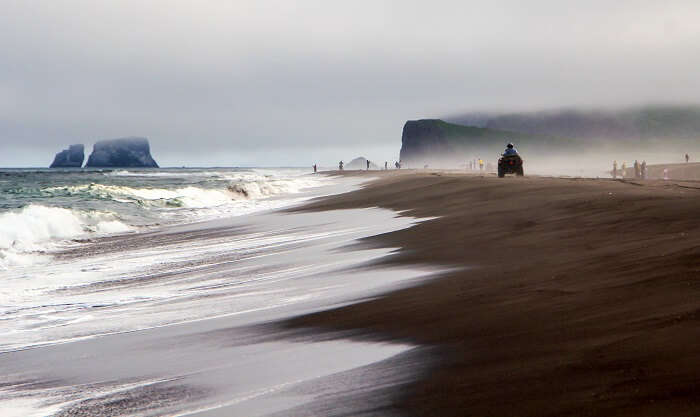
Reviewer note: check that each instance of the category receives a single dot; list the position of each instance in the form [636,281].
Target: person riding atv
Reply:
[510,162]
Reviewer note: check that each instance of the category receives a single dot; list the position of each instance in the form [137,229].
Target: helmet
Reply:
[509,146]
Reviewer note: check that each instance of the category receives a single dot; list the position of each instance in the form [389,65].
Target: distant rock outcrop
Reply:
[437,143]
[360,163]
[130,152]
[69,158]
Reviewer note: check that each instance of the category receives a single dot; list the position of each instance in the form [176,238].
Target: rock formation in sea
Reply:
[360,163]
[132,152]
[69,158]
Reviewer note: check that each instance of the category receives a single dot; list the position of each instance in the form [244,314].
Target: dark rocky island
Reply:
[69,158]
[132,152]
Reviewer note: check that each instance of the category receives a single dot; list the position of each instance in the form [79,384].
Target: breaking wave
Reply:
[35,229]
[36,217]
[189,197]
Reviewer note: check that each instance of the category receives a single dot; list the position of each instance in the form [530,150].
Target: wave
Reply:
[189,197]
[34,229]
[267,188]
[185,197]
[125,173]
[73,211]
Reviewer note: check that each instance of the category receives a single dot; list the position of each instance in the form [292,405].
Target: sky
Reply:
[292,83]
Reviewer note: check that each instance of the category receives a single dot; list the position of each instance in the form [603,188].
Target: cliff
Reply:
[130,152]
[69,158]
[438,143]
[677,124]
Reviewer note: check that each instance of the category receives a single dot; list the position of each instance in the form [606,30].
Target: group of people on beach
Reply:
[476,163]
[341,165]
[640,170]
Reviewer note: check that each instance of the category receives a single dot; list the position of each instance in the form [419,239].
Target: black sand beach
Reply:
[557,297]
[577,296]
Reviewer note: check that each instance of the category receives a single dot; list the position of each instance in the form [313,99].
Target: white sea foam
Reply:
[190,196]
[27,233]
[35,229]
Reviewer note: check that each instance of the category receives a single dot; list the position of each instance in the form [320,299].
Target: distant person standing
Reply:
[636,169]
[314,168]
[368,165]
[687,158]
[614,170]
[386,165]
[340,166]
[481,164]
[396,164]
[644,170]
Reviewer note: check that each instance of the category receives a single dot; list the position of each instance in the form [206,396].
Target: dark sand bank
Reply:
[583,297]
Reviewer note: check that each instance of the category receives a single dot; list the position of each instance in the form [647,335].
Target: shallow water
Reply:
[158,323]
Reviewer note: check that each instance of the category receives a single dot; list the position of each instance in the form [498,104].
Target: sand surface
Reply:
[570,297]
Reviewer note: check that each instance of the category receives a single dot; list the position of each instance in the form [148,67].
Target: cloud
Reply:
[218,80]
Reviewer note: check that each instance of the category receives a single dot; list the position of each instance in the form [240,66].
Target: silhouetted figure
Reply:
[386,165]
[510,150]
[636,169]
[614,170]
[644,170]
[687,158]
[314,168]
[340,166]
[368,165]
[396,165]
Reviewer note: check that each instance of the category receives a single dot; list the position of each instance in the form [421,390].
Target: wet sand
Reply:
[570,296]
[182,326]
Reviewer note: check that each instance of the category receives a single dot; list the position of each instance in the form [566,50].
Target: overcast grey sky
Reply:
[295,82]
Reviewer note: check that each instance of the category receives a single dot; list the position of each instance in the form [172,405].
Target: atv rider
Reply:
[510,150]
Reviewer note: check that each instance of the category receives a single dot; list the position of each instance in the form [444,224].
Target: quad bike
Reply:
[510,164]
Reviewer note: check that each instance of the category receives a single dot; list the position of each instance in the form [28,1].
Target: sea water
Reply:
[42,209]
[131,287]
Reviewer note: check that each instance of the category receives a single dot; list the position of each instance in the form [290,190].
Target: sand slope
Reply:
[583,296]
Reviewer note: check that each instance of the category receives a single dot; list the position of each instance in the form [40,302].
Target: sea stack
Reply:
[360,163]
[132,152]
[69,158]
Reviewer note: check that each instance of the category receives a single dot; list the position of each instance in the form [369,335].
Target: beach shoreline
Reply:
[570,296]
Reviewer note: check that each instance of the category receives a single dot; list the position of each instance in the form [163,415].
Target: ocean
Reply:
[134,292]
[42,209]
